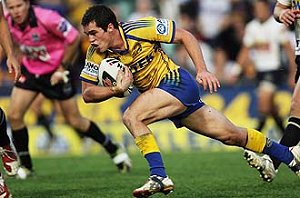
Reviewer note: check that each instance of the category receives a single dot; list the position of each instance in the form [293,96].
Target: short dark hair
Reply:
[101,14]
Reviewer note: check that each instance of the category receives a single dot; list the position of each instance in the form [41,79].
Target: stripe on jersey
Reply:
[172,78]
[135,25]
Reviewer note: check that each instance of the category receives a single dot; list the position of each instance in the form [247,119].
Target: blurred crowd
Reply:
[219,26]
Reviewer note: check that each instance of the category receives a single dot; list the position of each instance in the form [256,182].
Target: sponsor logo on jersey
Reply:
[36,52]
[64,27]
[91,68]
[35,37]
[162,26]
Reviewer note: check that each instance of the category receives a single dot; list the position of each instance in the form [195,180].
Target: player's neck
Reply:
[118,42]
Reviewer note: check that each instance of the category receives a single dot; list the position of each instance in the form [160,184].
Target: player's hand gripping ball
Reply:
[108,71]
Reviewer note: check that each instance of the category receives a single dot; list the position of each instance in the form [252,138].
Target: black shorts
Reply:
[276,77]
[41,84]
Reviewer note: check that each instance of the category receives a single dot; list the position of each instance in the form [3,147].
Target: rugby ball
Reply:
[108,71]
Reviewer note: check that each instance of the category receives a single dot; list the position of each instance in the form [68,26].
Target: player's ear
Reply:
[110,27]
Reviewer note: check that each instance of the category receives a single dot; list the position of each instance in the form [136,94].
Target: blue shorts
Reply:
[184,87]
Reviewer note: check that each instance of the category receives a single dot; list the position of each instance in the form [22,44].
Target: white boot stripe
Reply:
[295,124]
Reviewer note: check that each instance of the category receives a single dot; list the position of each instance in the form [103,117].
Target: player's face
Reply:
[261,11]
[18,10]
[97,36]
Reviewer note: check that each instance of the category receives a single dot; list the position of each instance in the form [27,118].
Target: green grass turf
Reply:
[195,174]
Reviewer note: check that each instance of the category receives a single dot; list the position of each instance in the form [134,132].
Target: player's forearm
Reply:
[291,57]
[5,38]
[95,94]
[192,46]
[71,53]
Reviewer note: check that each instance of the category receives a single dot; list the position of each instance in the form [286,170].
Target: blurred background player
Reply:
[262,43]
[48,44]
[9,158]
[286,12]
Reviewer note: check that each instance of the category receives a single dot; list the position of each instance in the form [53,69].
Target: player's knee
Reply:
[129,117]
[73,122]
[126,118]
[264,109]
[14,117]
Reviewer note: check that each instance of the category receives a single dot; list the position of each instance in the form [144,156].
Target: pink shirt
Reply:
[43,40]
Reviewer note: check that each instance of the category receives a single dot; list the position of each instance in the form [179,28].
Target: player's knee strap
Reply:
[147,144]
[256,141]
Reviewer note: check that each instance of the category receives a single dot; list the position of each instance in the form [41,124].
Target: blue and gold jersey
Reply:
[143,53]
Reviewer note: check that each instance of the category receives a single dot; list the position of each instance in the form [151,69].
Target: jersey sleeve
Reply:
[60,26]
[90,70]
[151,28]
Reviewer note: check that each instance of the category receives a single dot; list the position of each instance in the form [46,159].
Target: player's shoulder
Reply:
[45,14]
[143,19]
[93,55]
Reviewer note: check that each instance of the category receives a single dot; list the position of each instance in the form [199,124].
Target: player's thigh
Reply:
[20,101]
[210,122]
[153,105]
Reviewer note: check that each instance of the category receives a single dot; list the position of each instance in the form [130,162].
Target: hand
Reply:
[13,66]
[59,76]
[208,80]
[288,16]
[123,81]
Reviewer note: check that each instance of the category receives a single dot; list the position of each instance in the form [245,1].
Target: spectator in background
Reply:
[188,20]
[212,15]
[227,45]
[143,8]
[262,42]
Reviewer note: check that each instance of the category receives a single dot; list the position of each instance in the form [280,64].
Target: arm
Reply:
[292,64]
[204,77]
[7,46]
[246,64]
[92,93]
[71,52]
[283,14]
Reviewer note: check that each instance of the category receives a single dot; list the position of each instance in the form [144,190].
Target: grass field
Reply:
[195,174]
